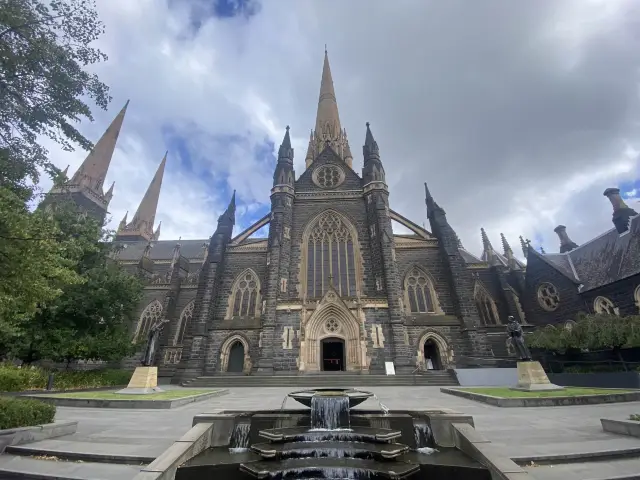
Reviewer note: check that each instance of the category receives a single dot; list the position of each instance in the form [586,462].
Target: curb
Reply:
[545,401]
[564,458]
[84,456]
[131,404]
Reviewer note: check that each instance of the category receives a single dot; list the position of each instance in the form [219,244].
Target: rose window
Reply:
[548,297]
[332,325]
[329,176]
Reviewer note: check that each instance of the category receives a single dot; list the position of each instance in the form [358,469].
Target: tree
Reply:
[44,48]
[90,320]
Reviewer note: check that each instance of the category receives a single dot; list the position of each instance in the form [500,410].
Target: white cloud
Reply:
[518,116]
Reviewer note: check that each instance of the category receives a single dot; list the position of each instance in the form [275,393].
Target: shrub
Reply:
[14,379]
[635,417]
[24,412]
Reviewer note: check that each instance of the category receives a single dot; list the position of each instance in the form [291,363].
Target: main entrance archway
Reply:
[332,352]
[330,329]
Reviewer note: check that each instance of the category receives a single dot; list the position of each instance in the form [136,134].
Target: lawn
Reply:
[166,395]
[506,392]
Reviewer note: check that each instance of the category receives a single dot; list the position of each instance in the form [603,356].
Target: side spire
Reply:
[328,130]
[93,171]
[141,225]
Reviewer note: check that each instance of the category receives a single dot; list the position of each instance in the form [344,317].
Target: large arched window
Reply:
[420,296]
[150,316]
[244,300]
[185,318]
[486,306]
[331,256]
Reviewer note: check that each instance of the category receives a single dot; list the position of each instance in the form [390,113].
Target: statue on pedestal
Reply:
[514,329]
[153,337]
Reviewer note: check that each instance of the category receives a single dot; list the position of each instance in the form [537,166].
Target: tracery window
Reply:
[420,292]
[244,299]
[486,307]
[185,318]
[548,296]
[331,258]
[604,305]
[150,316]
[328,176]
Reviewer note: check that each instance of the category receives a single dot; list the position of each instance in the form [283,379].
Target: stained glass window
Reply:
[331,257]
[245,296]
[185,318]
[419,292]
[486,308]
[150,316]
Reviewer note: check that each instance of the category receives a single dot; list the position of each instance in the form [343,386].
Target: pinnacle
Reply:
[505,244]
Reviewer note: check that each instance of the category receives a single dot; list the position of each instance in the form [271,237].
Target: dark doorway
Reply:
[333,355]
[431,355]
[236,358]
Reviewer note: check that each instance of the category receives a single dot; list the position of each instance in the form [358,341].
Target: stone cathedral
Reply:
[333,288]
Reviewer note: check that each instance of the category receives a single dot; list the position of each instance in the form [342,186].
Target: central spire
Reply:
[328,130]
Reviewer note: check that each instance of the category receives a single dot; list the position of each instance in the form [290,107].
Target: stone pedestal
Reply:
[144,380]
[533,378]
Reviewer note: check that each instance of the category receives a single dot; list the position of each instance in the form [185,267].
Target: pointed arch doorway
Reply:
[333,354]
[236,358]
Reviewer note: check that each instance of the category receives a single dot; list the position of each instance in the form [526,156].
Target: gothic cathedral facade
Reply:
[331,288]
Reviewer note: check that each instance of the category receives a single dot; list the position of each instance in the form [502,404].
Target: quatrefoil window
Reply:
[332,325]
[548,297]
[328,176]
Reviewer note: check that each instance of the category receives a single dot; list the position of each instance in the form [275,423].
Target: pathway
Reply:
[517,431]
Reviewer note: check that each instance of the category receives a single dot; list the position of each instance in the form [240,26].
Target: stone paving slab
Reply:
[627,469]
[48,469]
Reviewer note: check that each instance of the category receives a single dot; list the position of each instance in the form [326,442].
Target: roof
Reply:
[605,259]
[163,249]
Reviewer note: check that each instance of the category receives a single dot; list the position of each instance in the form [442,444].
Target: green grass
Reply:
[166,395]
[505,392]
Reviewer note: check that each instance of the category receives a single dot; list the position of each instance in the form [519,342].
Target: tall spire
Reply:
[141,224]
[328,130]
[93,171]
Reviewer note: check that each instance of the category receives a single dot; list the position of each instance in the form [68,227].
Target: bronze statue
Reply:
[514,329]
[153,337]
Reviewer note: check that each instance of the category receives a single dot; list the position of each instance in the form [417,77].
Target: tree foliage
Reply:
[589,332]
[45,47]
[90,319]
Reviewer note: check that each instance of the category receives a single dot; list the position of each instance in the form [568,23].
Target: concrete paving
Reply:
[516,431]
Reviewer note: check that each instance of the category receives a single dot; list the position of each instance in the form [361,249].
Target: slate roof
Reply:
[603,260]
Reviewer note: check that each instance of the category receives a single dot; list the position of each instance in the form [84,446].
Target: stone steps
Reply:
[439,378]
[14,467]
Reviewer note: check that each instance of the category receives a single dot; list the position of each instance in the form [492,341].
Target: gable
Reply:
[308,181]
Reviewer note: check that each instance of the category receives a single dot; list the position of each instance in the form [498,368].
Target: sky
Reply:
[518,114]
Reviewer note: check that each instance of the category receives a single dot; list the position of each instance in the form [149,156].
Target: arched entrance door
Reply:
[332,351]
[432,355]
[236,358]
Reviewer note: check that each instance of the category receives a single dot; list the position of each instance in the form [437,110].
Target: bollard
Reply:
[50,382]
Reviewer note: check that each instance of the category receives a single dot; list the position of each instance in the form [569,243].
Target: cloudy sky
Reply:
[517,113]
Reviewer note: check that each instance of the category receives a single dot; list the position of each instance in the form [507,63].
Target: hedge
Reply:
[24,412]
[14,379]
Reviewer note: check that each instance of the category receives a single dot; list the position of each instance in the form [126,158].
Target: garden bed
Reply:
[110,399]
[505,397]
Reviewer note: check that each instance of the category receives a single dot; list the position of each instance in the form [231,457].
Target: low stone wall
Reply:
[472,443]
[597,380]
[486,377]
[621,427]
[614,397]
[134,403]
[24,435]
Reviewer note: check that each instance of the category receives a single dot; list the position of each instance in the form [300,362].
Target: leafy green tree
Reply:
[90,319]
[45,47]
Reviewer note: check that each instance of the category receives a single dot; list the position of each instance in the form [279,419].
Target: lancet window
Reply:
[420,293]
[244,299]
[331,256]
[150,316]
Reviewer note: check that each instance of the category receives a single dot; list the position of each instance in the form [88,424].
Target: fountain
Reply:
[330,439]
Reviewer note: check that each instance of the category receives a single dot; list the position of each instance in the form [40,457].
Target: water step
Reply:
[362,450]
[87,452]
[437,378]
[13,467]
[355,434]
[302,466]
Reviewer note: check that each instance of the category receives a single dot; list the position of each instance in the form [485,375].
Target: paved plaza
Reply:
[518,432]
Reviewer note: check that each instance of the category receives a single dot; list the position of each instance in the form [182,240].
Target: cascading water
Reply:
[424,438]
[329,412]
[239,442]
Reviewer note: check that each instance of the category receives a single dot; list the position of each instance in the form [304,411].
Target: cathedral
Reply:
[333,288]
